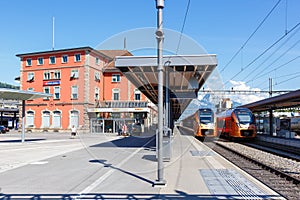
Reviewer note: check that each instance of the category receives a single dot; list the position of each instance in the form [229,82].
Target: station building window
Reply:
[47,91]
[52,60]
[64,59]
[46,119]
[56,92]
[74,73]
[74,92]
[116,78]
[40,61]
[28,62]
[47,75]
[57,74]
[96,93]
[29,119]
[74,118]
[97,76]
[77,57]
[137,94]
[56,119]
[116,94]
[97,61]
[30,76]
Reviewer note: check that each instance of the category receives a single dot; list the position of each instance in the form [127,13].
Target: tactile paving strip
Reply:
[202,153]
[230,184]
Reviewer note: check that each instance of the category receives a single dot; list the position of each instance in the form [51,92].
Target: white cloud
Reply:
[236,97]
[245,98]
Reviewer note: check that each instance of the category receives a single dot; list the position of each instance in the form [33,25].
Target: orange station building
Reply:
[88,92]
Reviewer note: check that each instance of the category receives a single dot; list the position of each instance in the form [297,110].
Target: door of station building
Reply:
[109,125]
[97,125]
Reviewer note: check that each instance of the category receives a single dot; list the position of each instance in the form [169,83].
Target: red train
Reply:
[236,123]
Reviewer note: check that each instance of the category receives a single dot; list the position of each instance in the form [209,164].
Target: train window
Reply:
[245,117]
[206,118]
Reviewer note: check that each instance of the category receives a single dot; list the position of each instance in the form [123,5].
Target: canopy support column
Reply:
[23,121]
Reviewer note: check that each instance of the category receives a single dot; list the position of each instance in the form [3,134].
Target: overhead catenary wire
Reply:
[286,15]
[183,25]
[265,51]
[280,66]
[255,76]
[252,34]
[288,75]
[284,81]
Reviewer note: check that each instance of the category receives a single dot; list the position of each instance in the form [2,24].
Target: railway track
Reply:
[280,174]
[277,149]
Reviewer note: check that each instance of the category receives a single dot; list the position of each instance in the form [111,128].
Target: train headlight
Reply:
[243,125]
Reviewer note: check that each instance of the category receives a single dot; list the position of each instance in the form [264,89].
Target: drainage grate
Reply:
[203,153]
[231,183]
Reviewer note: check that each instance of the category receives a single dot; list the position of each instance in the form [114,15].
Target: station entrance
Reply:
[120,122]
[116,126]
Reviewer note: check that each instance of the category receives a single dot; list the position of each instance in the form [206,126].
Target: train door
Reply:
[229,128]
[221,129]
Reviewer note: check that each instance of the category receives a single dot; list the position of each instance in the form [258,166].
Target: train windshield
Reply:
[244,116]
[206,116]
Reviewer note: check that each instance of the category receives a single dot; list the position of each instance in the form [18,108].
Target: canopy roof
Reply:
[13,94]
[291,99]
[187,74]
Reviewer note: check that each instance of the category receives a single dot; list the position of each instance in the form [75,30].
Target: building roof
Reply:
[110,67]
[113,53]
[87,48]
[108,54]
[56,51]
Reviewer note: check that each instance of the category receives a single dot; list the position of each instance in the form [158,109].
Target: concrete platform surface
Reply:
[97,166]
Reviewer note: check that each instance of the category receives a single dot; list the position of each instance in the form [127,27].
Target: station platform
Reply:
[123,168]
[292,142]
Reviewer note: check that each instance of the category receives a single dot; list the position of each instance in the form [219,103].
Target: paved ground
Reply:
[91,166]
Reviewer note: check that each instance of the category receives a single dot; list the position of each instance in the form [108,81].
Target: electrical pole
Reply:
[160,70]
[270,87]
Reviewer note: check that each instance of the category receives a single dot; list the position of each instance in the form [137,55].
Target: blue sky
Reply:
[220,27]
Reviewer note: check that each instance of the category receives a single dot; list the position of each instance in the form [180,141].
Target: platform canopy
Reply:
[185,74]
[288,100]
[12,94]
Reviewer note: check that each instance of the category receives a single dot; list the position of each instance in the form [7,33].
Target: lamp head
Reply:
[160,4]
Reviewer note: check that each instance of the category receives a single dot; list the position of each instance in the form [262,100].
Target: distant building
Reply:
[83,82]
[9,113]
[224,104]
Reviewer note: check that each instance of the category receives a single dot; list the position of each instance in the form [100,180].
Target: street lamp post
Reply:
[160,70]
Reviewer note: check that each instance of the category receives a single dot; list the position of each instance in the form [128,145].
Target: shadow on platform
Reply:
[19,140]
[103,162]
[130,142]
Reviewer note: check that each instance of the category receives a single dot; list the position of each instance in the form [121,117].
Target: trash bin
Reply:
[166,144]
[166,148]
